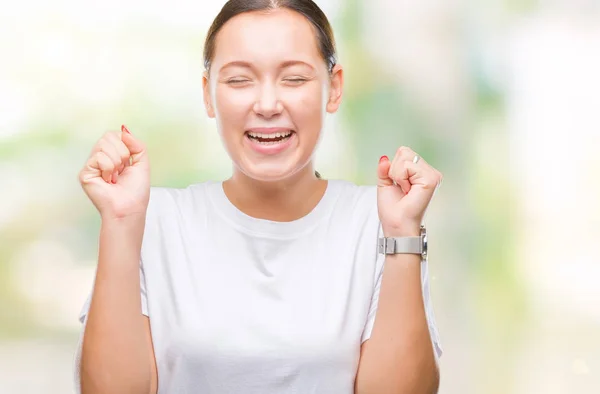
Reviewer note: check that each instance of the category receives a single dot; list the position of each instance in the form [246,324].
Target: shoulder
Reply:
[172,202]
[363,197]
[171,214]
[358,203]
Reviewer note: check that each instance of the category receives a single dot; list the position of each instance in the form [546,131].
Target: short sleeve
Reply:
[433,332]
[83,319]
[374,298]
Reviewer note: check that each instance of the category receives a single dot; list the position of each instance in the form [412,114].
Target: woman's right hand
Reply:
[116,177]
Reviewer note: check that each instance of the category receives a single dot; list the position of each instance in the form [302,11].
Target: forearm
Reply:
[399,358]
[115,354]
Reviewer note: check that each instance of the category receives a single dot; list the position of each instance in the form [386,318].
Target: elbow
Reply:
[114,383]
[426,377]
[94,387]
[434,381]
[100,371]
[428,381]
[414,380]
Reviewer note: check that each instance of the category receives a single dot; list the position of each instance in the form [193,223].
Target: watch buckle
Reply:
[387,245]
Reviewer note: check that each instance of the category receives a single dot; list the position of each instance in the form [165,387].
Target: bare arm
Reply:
[117,354]
[399,358]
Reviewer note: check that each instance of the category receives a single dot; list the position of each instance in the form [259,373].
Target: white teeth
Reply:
[269,136]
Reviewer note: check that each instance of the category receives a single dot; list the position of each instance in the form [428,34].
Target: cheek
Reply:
[308,105]
[231,105]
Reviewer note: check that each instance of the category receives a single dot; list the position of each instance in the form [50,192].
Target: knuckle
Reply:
[108,139]
[114,157]
[105,136]
[101,145]
[105,162]
[123,151]
[108,144]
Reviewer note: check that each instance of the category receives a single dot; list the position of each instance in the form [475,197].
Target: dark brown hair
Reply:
[307,8]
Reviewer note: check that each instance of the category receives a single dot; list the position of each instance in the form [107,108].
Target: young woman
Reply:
[270,281]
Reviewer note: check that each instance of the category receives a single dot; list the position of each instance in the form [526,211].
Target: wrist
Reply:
[132,218]
[131,223]
[122,234]
[406,230]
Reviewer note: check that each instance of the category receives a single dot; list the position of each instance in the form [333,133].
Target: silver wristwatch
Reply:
[411,245]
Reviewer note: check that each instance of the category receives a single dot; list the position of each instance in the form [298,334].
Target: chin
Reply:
[269,173]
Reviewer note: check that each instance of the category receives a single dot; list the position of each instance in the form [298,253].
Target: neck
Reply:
[282,201]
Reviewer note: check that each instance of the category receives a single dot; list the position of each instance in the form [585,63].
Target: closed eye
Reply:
[296,81]
[236,81]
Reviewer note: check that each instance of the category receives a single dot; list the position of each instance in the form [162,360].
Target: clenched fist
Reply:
[405,187]
[116,177]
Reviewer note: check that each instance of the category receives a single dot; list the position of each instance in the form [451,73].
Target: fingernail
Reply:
[382,158]
[125,129]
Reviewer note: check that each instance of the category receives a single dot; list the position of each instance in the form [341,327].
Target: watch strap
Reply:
[390,245]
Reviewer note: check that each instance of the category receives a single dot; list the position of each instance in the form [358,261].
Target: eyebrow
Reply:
[287,63]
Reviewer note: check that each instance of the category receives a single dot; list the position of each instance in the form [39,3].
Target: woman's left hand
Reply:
[404,190]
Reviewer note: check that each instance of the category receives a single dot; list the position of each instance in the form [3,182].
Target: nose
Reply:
[267,103]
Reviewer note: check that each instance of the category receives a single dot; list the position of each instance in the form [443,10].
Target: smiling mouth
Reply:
[270,139]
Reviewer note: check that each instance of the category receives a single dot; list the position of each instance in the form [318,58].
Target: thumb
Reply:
[137,149]
[382,172]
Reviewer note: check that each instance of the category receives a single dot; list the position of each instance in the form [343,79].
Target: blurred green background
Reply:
[499,95]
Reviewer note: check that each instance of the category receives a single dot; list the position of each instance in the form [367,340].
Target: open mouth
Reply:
[270,139]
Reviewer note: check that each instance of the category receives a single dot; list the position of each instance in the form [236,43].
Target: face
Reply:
[269,90]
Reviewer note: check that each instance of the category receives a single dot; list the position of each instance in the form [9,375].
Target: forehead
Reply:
[267,38]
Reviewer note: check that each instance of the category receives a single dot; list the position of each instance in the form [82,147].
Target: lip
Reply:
[269,149]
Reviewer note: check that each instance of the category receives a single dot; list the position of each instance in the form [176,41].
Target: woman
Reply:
[271,281]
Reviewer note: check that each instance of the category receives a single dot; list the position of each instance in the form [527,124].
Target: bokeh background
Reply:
[501,95]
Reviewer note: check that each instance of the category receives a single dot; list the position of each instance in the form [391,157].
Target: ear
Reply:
[207,98]
[335,89]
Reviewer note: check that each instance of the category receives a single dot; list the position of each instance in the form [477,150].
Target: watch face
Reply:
[424,238]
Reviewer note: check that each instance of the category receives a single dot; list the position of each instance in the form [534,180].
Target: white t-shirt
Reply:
[245,305]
